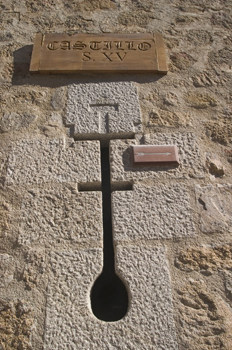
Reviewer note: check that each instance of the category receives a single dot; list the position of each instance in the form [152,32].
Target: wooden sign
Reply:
[63,53]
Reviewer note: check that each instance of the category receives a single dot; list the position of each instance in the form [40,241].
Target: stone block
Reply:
[149,322]
[160,212]
[122,168]
[56,213]
[103,108]
[44,160]
[215,207]
[215,166]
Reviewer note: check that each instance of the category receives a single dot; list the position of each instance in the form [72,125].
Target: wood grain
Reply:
[63,53]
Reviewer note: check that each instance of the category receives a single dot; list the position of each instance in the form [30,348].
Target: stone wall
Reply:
[172,228]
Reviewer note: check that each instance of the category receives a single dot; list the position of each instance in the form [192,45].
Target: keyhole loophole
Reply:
[109,297]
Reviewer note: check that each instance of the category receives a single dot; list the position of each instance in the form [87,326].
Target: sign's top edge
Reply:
[108,33]
[105,35]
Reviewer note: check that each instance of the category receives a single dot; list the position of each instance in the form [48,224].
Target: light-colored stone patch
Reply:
[215,206]
[122,168]
[7,267]
[103,108]
[159,212]
[56,212]
[43,160]
[149,322]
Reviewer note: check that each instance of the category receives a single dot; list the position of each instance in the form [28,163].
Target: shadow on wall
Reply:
[22,58]
[22,76]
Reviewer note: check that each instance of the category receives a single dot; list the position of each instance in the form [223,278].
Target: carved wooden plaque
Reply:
[63,53]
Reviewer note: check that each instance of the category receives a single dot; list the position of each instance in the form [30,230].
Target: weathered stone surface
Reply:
[222,18]
[122,168]
[169,119]
[15,121]
[54,126]
[70,323]
[44,160]
[205,79]
[228,153]
[34,268]
[205,258]
[199,37]
[215,166]
[5,208]
[182,60]
[103,108]
[58,99]
[220,131]
[158,212]
[215,206]
[228,284]
[58,213]
[21,105]
[221,59]
[7,267]
[138,17]
[205,319]
[200,100]
[16,323]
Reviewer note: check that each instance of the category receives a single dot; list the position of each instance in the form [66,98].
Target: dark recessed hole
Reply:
[103,138]
[89,186]
[109,297]
[122,186]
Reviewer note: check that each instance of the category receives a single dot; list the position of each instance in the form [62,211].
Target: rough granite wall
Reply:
[172,231]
